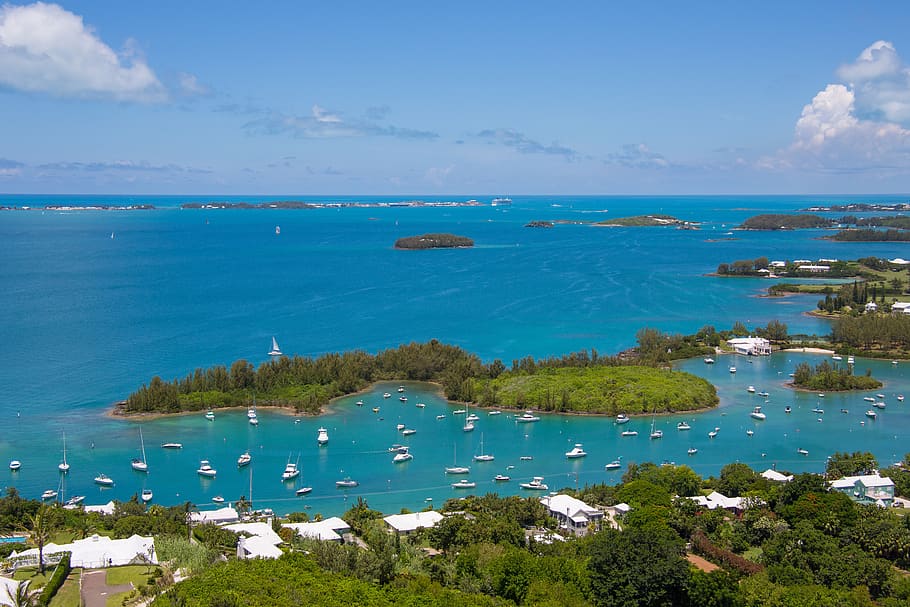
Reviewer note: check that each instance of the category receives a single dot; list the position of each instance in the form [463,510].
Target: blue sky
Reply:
[461,98]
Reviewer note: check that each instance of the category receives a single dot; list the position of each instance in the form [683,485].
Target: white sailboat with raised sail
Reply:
[63,466]
[140,465]
[275,351]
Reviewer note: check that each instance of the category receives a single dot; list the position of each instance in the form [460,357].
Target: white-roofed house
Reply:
[329,530]
[106,509]
[900,307]
[750,346]
[257,541]
[573,515]
[716,500]
[405,524]
[221,516]
[871,306]
[777,477]
[866,489]
[97,551]
[8,589]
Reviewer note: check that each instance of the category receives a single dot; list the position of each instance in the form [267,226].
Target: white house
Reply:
[901,307]
[259,541]
[97,551]
[573,515]
[8,588]
[751,346]
[871,306]
[221,516]
[777,477]
[405,524]
[329,530]
[866,489]
[813,268]
[718,500]
[107,508]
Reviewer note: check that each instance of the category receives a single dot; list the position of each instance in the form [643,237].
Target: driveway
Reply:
[95,589]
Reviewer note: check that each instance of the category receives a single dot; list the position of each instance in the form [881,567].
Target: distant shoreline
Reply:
[280,204]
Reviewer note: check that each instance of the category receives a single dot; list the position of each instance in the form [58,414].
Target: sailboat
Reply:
[483,457]
[140,465]
[468,424]
[275,351]
[455,468]
[655,433]
[63,466]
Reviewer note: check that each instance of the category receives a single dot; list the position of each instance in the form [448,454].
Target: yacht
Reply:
[205,469]
[709,360]
[400,389]
[103,479]
[900,398]
[629,433]
[48,495]
[323,437]
[468,426]
[614,465]
[290,471]
[75,500]
[396,448]
[692,451]
[732,369]
[764,394]
[751,389]
[210,415]
[387,395]
[421,405]
[459,412]
[869,399]
[495,412]
[15,465]
[472,418]
[440,416]
[303,491]
[871,414]
[757,413]
[146,495]
[402,456]
[139,464]
[536,484]
[244,459]
[501,478]
[881,396]
[464,484]
[359,403]
[622,418]
[526,417]
[403,399]
[526,458]
[821,395]
[275,351]
[254,421]
[713,432]
[837,357]
[218,499]
[172,445]
[576,452]
[683,426]
[409,431]
[879,404]
[750,432]
[346,483]
[400,427]
[802,451]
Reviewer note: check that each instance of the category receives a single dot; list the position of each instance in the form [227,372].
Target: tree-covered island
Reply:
[434,241]
[828,378]
[644,221]
[780,221]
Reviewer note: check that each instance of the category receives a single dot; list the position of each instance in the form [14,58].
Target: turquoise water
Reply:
[87,317]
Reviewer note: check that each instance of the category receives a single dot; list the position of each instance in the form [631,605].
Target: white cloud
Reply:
[325,124]
[638,156]
[191,87]
[522,143]
[324,116]
[47,49]
[880,82]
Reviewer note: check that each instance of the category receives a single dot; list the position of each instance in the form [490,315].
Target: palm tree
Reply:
[22,596]
[40,525]
[243,505]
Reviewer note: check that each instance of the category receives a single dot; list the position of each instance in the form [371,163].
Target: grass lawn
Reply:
[753,554]
[68,595]
[31,573]
[137,574]
[116,600]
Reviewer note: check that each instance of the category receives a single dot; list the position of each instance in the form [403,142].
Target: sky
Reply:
[466,98]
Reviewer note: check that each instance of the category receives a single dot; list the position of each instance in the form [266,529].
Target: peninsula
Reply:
[434,241]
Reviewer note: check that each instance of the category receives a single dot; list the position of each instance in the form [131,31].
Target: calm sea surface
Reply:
[94,303]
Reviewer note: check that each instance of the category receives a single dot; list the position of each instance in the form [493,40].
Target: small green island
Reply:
[539,224]
[434,241]
[644,221]
[826,377]
[780,221]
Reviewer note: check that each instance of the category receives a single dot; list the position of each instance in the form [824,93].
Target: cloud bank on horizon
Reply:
[857,125]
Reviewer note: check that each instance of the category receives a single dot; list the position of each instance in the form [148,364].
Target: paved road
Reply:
[95,589]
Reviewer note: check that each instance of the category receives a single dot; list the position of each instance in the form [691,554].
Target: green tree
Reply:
[736,479]
[40,527]
[850,464]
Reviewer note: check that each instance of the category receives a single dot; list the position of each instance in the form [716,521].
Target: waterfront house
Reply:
[777,477]
[95,551]
[750,346]
[257,541]
[406,524]
[817,269]
[900,307]
[222,516]
[715,500]
[573,515]
[866,489]
[329,530]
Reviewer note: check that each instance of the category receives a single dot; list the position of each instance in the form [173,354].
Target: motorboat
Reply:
[757,413]
[692,451]
[400,389]
[881,396]
[472,418]
[536,484]
[387,395]
[244,459]
[751,389]
[494,412]
[323,437]
[900,398]
[275,351]
[622,418]
[629,433]
[408,432]
[421,405]
[15,465]
[104,480]
[683,426]
[869,399]
[818,410]
[576,452]
[802,451]
[375,409]
[290,472]
[837,357]
[402,456]
[254,421]
[464,484]
[850,360]
[396,448]
[732,369]
[527,417]
[713,432]
[205,469]
[172,445]
[346,483]
[526,458]
[403,399]
[146,495]
[75,500]
[614,465]
[359,403]
[303,491]
[210,415]
[440,416]
[400,427]
[218,499]
[459,412]
[501,478]
[821,395]
[764,394]
[750,432]
[709,360]
[787,409]
[879,404]
[48,495]
[871,414]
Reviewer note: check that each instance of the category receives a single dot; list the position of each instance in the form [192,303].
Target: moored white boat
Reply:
[139,464]
[290,470]
[346,483]
[629,433]
[751,389]
[709,360]
[527,417]
[104,480]
[210,415]
[48,495]
[692,451]
[576,452]
[713,432]
[322,438]
[536,484]
[802,451]
[218,499]
[683,426]
[464,484]
[63,466]
[275,351]
[871,414]
[757,413]
[622,418]
[303,491]
[402,456]
[172,445]
[15,465]
[501,478]
[75,500]
[458,470]
[408,432]
[244,459]
[614,465]
[483,457]
[732,369]
[205,469]
[146,495]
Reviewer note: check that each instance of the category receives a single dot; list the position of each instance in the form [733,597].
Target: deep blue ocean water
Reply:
[94,303]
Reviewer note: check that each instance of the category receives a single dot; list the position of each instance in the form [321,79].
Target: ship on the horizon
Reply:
[500,201]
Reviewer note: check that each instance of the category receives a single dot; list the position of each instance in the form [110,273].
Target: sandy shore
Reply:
[809,350]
